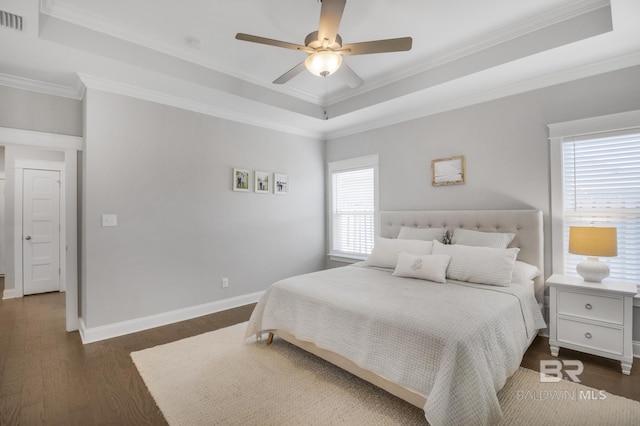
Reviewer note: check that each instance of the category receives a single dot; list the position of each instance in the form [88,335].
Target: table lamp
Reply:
[593,241]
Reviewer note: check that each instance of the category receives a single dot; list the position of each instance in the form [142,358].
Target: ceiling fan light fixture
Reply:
[323,63]
[325,48]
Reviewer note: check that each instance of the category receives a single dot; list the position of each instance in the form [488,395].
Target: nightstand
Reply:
[595,318]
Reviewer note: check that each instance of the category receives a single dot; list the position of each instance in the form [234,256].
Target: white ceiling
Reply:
[464,52]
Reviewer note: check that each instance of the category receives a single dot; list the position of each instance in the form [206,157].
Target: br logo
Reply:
[552,370]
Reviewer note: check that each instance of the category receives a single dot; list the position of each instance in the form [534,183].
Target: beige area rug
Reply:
[218,379]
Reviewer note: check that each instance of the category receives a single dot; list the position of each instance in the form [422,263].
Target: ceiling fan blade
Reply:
[348,75]
[290,74]
[272,42]
[330,17]
[377,46]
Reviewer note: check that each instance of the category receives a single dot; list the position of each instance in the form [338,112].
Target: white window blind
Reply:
[601,186]
[353,209]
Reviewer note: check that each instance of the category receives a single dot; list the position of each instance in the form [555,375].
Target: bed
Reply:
[446,347]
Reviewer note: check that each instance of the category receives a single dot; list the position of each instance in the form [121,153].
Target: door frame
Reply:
[18,239]
[3,226]
[70,145]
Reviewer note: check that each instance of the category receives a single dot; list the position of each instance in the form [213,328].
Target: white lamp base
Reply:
[593,270]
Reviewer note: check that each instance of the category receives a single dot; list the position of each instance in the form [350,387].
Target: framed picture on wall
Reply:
[241,180]
[448,171]
[280,184]
[261,184]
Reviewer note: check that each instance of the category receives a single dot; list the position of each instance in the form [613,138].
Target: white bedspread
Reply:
[456,343]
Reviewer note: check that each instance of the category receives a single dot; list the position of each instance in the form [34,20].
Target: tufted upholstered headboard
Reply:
[526,224]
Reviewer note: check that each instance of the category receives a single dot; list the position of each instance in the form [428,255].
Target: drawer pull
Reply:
[588,306]
[587,335]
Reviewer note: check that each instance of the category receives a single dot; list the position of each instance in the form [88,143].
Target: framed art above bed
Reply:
[448,171]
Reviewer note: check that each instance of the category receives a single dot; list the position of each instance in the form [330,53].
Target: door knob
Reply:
[28,237]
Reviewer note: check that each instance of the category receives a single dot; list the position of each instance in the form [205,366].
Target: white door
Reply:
[41,231]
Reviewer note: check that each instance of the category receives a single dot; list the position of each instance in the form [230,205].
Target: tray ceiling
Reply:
[185,54]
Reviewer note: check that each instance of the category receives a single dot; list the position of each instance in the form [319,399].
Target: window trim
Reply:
[571,131]
[364,162]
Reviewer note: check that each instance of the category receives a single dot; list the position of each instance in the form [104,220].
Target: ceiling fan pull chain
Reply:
[326,97]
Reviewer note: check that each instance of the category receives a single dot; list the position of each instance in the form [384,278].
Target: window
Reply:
[601,185]
[596,180]
[353,207]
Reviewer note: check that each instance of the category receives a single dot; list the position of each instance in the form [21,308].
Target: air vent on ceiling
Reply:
[10,20]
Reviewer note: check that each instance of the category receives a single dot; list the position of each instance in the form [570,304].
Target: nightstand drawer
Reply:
[593,336]
[584,305]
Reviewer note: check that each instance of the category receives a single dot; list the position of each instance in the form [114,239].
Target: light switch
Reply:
[109,220]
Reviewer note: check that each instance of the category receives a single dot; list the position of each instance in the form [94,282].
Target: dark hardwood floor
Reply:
[600,373]
[47,376]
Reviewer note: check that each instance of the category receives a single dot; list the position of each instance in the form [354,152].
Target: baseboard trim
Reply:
[11,293]
[95,334]
[636,349]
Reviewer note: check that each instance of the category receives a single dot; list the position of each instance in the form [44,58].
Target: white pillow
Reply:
[427,234]
[482,265]
[524,273]
[385,251]
[468,237]
[425,267]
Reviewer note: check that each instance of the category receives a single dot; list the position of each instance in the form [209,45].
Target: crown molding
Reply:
[589,126]
[69,13]
[99,83]
[564,76]
[518,29]
[84,81]
[495,38]
[39,86]
[77,16]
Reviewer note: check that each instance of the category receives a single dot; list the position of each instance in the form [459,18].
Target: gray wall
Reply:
[167,174]
[505,144]
[22,109]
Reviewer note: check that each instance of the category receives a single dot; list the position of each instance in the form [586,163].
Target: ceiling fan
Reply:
[325,48]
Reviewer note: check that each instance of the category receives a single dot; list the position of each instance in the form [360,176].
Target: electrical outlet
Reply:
[109,220]
[225,282]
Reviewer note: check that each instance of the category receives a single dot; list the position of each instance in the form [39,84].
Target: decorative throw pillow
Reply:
[524,273]
[426,234]
[385,251]
[468,237]
[425,267]
[482,265]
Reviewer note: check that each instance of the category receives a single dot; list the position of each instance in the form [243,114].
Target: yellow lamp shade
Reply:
[593,241]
